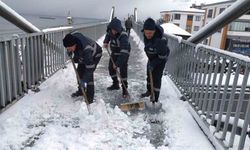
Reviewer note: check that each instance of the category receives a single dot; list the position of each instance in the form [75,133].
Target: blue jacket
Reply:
[87,51]
[156,48]
[119,43]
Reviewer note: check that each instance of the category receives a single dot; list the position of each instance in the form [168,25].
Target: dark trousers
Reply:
[157,75]
[128,31]
[90,87]
[123,71]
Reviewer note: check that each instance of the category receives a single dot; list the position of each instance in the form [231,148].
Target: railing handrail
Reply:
[28,59]
[12,16]
[23,35]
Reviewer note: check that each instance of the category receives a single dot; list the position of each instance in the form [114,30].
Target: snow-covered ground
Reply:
[52,120]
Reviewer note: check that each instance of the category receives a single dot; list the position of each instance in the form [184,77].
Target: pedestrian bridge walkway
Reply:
[51,119]
[36,81]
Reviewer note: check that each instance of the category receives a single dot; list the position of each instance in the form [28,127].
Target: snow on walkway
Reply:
[52,120]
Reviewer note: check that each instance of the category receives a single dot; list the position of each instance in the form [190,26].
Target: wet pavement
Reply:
[136,86]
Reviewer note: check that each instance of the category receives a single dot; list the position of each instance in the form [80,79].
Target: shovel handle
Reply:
[79,83]
[118,73]
[152,96]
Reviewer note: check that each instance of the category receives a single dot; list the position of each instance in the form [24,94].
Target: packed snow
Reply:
[52,120]
[170,28]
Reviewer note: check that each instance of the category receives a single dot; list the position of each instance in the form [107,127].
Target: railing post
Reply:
[223,99]
[239,105]
[2,77]
[211,95]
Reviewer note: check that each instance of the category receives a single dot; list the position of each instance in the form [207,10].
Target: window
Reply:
[205,42]
[190,17]
[196,28]
[239,26]
[247,29]
[177,16]
[197,18]
[188,28]
[210,13]
[221,10]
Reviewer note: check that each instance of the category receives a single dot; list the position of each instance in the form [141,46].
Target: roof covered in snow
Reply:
[188,10]
[171,28]
[218,3]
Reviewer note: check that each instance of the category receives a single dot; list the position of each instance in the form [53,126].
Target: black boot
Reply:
[77,93]
[146,94]
[114,86]
[90,100]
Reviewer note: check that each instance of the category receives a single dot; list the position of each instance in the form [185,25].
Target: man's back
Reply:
[128,23]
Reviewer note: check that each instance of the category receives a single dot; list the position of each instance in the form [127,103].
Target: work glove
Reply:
[105,45]
[86,78]
[71,55]
[83,84]
[76,60]
[115,67]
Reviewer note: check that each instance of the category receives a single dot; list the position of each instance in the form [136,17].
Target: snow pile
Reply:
[52,121]
[105,128]
[140,45]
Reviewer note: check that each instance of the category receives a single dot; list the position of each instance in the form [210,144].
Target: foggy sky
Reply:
[99,8]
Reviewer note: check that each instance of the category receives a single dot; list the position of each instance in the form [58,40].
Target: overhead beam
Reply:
[16,19]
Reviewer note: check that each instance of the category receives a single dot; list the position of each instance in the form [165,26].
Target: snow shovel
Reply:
[79,83]
[126,106]
[153,107]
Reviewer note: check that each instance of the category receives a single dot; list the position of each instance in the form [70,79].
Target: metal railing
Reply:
[28,60]
[216,85]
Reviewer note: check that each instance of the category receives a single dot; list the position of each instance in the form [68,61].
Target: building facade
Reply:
[233,37]
[190,20]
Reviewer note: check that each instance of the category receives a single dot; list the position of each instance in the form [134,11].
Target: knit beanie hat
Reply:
[116,25]
[149,24]
[69,40]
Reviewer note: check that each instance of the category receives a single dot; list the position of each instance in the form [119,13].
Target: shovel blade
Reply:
[132,106]
[153,108]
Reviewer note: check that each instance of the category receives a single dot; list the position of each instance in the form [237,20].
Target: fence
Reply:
[216,85]
[28,60]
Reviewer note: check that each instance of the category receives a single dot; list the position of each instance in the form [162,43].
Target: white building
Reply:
[233,37]
[190,20]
